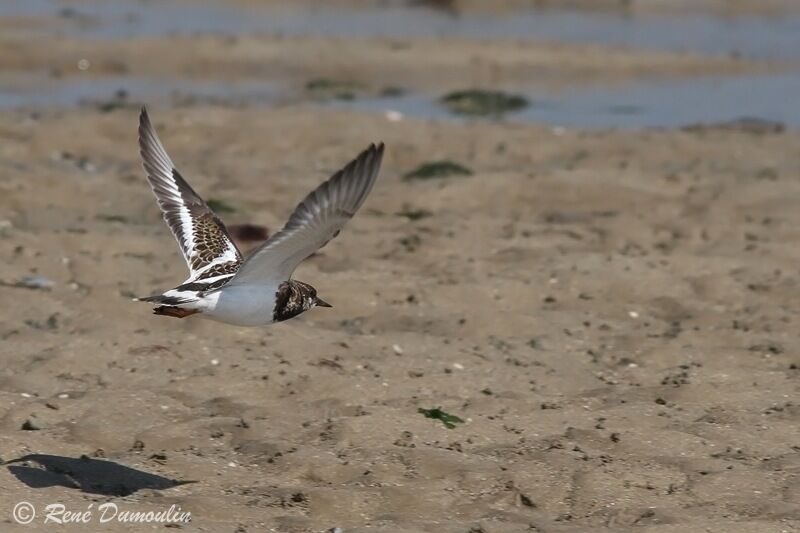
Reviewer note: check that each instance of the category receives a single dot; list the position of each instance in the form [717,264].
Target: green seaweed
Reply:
[479,103]
[392,91]
[325,88]
[436,413]
[119,100]
[220,206]
[437,169]
[414,214]
[113,218]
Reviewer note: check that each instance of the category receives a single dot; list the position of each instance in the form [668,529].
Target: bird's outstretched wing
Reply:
[314,222]
[206,245]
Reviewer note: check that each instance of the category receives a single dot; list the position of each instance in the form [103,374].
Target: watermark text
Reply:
[58,513]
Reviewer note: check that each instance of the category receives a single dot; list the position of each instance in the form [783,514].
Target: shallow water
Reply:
[635,105]
[755,37]
[73,91]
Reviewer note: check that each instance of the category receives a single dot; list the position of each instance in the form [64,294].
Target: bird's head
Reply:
[319,302]
[295,297]
[310,298]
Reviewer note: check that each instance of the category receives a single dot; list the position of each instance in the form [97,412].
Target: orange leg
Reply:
[176,312]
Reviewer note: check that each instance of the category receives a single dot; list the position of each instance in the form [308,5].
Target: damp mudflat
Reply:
[596,308]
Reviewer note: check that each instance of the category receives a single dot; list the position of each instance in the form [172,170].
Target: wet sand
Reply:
[612,313]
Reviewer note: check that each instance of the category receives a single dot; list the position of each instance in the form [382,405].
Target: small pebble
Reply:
[394,116]
[397,349]
[31,424]
[36,282]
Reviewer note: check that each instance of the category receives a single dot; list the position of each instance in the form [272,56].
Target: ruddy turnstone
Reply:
[258,289]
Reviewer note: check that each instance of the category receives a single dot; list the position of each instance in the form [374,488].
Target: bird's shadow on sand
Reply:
[92,476]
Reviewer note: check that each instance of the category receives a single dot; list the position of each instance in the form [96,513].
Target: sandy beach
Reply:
[612,313]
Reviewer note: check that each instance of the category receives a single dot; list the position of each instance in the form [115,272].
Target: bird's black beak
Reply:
[319,302]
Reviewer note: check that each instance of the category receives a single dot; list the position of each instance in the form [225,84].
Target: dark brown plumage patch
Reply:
[210,241]
[208,232]
[293,297]
[223,268]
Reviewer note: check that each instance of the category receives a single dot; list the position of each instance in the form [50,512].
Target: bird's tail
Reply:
[168,299]
[156,298]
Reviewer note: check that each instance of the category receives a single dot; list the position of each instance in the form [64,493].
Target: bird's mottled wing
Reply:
[314,222]
[206,245]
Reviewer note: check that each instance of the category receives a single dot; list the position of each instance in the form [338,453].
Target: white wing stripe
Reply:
[202,237]
[188,230]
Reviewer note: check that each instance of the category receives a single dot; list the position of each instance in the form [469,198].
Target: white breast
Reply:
[242,305]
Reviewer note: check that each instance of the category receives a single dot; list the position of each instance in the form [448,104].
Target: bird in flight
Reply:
[258,289]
